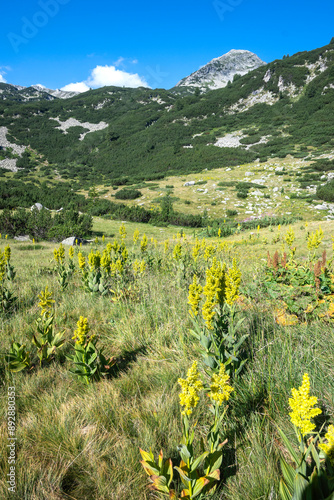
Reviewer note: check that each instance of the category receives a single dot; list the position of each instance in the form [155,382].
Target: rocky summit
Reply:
[221,70]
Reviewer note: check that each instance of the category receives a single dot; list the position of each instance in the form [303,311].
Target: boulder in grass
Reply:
[39,206]
[22,238]
[74,240]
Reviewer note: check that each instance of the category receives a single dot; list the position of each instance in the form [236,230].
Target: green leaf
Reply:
[198,461]
[284,491]
[287,443]
[199,485]
[182,474]
[289,473]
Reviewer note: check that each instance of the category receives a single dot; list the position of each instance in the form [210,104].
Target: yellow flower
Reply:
[315,238]
[2,265]
[143,243]
[122,231]
[233,280]
[328,448]
[166,246]
[125,254]
[220,388]
[103,238]
[196,249]
[105,260]
[45,302]
[301,405]
[191,387]
[210,250]
[7,253]
[71,252]
[94,260]
[194,296]
[219,233]
[135,236]
[214,291]
[290,236]
[59,255]
[142,267]
[177,252]
[81,333]
[82,261]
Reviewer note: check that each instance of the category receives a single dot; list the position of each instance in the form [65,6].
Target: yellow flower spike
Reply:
[142,268]
[233,280]
[214,291]
[7,237]
[191,387]
[96,240]
[2,266]
[81,333]
[177,252]
[143,243]
[105,260]
[301,405]
[209,252]
[56,255]
[71,252]
[135,236]
[7,253]
[45,302]
[103,238]
[328,448]
[314,239]
[220,388]
[122,232]
[196,250]
[219,233]
[94,260]
[166,246]
[82,261]
[290,236]
[194,297]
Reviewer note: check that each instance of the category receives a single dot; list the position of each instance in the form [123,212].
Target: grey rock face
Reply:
[74,240]
[218,72]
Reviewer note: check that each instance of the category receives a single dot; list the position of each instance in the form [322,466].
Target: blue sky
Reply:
[58,43]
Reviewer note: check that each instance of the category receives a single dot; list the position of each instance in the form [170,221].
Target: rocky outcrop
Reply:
[218,72]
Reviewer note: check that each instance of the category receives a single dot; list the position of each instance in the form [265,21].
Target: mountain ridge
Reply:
[221,70]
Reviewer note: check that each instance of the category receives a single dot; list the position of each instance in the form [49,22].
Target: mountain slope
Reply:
[115,135]
[221,70]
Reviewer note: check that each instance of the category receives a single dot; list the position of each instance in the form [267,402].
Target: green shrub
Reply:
[128,194]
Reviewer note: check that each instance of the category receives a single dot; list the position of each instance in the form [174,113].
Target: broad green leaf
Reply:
[199,485]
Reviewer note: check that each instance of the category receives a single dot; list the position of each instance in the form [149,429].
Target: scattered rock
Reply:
[22,238]
[73,240]
[189,183]
[39,206]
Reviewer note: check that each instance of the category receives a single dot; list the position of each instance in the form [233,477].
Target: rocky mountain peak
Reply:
[218,72]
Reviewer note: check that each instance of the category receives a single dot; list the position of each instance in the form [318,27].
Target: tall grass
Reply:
[77,441]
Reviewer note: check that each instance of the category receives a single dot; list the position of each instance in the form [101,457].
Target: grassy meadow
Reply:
[79,440]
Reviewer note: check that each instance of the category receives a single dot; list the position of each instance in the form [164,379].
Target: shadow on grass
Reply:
[124,362]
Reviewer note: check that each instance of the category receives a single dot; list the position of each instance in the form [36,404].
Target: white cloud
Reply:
[2,80]
[76,87]
[108,75]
